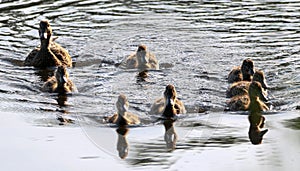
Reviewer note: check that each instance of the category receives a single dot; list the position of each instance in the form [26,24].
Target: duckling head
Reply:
[256,91]
[122,104]
[142,55]
[61,75]
[45,30]
[260,77]
[170,97]
[247,69]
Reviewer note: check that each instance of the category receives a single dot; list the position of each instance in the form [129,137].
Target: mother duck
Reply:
[49,53]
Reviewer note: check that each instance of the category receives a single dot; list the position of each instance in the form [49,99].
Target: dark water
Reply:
[196,43]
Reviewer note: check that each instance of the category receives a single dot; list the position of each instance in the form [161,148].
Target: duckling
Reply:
[60,82]
[170,98]
[254,98]
[49,53]
[242,87]
[123,117]
[255,117]
[142,59]
[243,73]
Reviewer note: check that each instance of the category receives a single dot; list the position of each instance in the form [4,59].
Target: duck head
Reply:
[260,77]
[142,57]
[45,30]
[247,69]
[61,75]
[122,104]
[170,95]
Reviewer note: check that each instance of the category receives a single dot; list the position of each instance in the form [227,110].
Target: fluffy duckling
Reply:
[243,73]
[255,117]
[170,98]
[253,99]
[123,117]
[142,59]
[242,87]
[49,53]
[60,82]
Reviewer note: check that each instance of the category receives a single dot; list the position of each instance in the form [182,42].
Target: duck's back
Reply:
[50,85]
[238,88]
[153,61]
[235,75]
[61,54]
[130,62]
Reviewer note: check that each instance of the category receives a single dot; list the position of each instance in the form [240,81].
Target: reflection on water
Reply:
[170,134]
[196,43]
[257,122]
[122,143]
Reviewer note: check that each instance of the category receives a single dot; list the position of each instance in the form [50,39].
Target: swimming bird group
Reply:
[247,92]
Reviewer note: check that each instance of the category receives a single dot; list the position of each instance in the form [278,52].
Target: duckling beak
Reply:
[263,97]
[170,101]
[264,85]
[65,79]
[125,107]
[144,59]
[251,71]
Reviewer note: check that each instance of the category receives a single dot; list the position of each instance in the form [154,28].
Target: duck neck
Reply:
[45,43]
[121,121]
[246,77]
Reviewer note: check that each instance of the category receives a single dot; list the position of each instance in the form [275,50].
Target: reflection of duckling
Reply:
[170,134]
[255,118]
[60,82]
[122,144]
[141,59]
[49,53]
[243,73]
[170,96]
[123,117]
[255,133]
[242,87]
[243,102]
[61,99]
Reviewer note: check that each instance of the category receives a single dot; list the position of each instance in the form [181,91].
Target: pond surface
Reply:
[196,42]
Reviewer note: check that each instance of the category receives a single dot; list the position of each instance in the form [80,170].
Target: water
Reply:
[196,42]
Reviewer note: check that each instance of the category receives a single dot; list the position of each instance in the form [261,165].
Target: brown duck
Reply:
[142,59]
[170,96]
[49,53]
[254,98]
[60,82]
[242,73]
[123,117]
[242,87]
[255,117]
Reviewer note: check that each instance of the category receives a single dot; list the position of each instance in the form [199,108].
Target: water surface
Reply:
[196,42]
